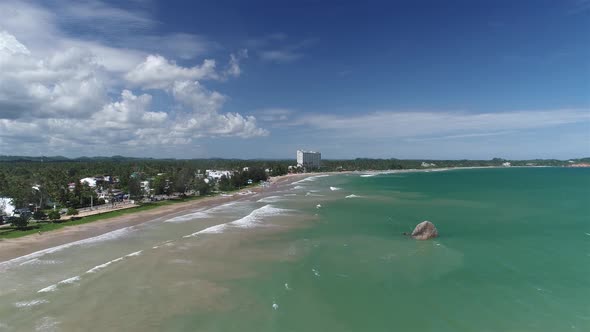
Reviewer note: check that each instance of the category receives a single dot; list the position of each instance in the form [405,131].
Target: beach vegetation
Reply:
[54,215]
[39,215]
[20,223]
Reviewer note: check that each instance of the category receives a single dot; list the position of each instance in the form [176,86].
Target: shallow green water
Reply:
[513,255]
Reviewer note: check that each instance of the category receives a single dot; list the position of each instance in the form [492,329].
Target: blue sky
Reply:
[260,79]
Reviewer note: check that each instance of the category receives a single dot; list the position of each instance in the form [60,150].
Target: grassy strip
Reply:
[34,228]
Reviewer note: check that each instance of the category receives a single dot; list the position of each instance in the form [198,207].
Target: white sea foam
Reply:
[275,306]
[270,199]
[209,230]
[32,303]
[53,287]
[298,188]
[352,196]
[318,206]
[104,237]
[315,272]
[99,267]
[335,188]
[137,253]
[69,280]
[290,195]
[161,244]
[310,179]
[190,216]
[368,175]
[311,194]
[36,261]
[48,289]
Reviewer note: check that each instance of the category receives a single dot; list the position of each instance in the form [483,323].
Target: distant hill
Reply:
[66,159]
[118,158]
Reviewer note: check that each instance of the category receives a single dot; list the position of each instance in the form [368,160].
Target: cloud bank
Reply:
[66,93]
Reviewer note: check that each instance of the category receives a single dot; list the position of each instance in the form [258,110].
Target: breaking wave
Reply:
[251,220]
[202,213]
[257,216]
[310,179]
[104,237]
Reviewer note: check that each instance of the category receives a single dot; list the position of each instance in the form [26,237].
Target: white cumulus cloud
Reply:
[74,95]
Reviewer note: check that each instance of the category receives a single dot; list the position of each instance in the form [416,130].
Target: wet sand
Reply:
[13,248]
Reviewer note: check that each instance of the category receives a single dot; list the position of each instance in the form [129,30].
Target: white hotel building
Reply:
[308,159]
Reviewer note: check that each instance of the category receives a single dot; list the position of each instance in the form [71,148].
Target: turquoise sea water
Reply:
[513,255]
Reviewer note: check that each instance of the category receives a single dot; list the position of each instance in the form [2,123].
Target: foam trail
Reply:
[137,253]
[48,289]
[287,286]
[335,188]
[161,244]
[69,280]
[352,196]
[367,175]
[315,272]
[275,306]
[99,267]
[209,230]
[37,261]
[270,199]
[26,304]
[53,287]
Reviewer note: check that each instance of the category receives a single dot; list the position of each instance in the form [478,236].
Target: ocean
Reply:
[327,253]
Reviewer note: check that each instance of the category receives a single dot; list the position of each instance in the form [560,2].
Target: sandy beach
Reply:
[13,248]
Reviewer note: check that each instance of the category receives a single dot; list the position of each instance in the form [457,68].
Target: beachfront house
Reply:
[216,175]
[90,181]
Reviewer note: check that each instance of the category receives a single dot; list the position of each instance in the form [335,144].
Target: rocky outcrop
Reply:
[424,231]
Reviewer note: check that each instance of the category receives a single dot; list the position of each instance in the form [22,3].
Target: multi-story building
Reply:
[308,159]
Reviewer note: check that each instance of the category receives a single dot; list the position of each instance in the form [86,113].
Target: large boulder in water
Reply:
[424,231]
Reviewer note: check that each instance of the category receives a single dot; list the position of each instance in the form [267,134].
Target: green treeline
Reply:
[52,179]
[51,176]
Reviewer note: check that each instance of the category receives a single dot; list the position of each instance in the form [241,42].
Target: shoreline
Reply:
[29,244]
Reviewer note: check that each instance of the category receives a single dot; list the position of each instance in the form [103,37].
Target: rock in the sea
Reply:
[424,231]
